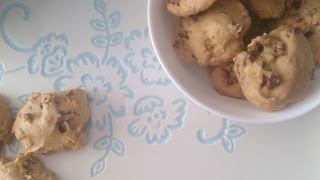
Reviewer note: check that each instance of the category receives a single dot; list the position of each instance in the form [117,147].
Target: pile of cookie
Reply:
[264,51]
[48,123]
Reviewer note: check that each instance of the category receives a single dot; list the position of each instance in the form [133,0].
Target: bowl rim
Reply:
[273,119]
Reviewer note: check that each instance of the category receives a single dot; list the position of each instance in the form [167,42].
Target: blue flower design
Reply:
[154,121]
[101,82]
[49,55]
[97,84]
[227,135]
[143,61]
[108,144]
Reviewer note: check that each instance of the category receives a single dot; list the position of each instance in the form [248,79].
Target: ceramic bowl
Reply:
[193,81]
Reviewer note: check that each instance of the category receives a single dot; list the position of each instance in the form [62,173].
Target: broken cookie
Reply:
[54,122]
[185,8]
[5,123]
[225,80]
[24,168]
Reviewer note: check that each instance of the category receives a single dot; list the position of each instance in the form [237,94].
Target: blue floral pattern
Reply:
[106,79]
[153,119]
[143,61]
[227,135]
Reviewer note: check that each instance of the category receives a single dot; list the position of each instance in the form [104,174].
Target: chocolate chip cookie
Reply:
[5,123]
[276,70]
[214,36]
[24,168]
[54,122]
[185,8]
[225,80]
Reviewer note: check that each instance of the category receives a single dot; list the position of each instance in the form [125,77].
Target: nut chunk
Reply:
[51,123]
[5,123]
[24,168]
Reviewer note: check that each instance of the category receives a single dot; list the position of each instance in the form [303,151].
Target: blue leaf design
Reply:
[59,84]
[134,131]
[133,66]
[181,111]
[2,71]
[204,140]
[161,81]
[100,6]
[13,113]
[98,24]
[114,19]
[151,104]
[121,113]
[158,138]
[98,167]
[235,131]
[89,124]
[100,126]
[129,92]
[14,147]
[83,58]
[228,144]
[50,69]
[115,62]
[24,98]
[146,32]
[118,147]
[100,41]
[116,38]
[135,33]
[103,143]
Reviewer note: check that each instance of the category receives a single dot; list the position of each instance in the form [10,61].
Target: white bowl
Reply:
[193,81]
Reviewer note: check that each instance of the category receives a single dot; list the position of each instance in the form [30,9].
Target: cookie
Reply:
[276,70]
[266,9]
[54,122]
[5,123]
[213,36]
[185,8]
[24,168]
[225,80]
[305,15]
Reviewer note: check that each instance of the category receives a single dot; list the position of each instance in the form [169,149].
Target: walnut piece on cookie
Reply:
[54,122]
[214,36]
[225,80]
[5,123]
[276,70]
[185,8]
[24,168]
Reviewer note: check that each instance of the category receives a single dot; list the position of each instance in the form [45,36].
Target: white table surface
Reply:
[141,126]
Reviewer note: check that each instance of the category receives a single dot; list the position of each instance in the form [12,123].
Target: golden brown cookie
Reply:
[266,9]
[213,36]
[24,168]
[5,124]
[225,80]
[305,15]
[276,70]
[185,8]
[54,122]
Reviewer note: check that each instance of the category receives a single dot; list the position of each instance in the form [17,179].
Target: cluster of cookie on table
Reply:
[265,51]
[48,123]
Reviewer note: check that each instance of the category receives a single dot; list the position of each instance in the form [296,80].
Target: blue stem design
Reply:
[104,60]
